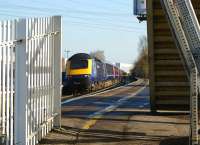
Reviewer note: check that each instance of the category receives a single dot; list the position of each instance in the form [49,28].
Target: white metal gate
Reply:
[30,79]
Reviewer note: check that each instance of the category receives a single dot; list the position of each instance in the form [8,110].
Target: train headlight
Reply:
[86,76]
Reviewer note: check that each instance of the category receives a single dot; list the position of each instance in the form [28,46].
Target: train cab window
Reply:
[79,64]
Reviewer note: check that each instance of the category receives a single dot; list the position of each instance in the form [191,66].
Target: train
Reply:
[87,74]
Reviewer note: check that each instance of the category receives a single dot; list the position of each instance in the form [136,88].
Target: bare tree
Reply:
[99,54]
[141,68]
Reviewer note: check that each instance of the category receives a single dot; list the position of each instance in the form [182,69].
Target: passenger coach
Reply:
[86,73]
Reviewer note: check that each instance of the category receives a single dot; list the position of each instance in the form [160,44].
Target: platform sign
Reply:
[139,7]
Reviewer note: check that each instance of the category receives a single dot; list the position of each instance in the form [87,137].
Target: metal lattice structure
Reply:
[186,30]
[30,79]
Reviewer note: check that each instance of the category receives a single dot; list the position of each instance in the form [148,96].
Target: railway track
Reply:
[64,98]
[70,98]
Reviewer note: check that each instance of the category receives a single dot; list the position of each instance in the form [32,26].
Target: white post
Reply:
[20,105]
[57,70]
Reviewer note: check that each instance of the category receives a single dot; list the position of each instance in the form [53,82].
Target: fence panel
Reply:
[43,53]
[7,69]
[30,74]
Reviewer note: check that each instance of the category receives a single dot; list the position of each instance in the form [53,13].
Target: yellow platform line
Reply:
[91,122]
[98,115]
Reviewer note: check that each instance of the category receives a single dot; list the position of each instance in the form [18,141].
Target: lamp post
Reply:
[67,51]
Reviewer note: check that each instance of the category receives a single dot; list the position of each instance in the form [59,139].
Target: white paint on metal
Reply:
[30,82]
[7,66]
[20,85]
[57,70]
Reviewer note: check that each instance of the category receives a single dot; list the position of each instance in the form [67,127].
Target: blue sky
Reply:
[88,25]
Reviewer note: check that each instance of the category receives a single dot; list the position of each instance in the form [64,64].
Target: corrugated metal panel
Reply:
[169,86]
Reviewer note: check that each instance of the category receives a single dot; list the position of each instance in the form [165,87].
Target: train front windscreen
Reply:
[79,64]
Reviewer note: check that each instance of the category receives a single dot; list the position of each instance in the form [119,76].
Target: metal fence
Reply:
[30,79]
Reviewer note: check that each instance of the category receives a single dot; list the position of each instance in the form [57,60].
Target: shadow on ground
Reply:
[175,141]
[95,136]
[124,116]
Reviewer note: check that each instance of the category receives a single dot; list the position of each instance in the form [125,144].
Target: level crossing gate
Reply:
[30,79]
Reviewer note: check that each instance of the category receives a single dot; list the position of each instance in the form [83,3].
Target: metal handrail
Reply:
[186,32]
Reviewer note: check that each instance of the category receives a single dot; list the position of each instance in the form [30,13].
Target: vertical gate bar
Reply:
[45,96]
[32,78]
[53,64]
[20,85]
[57,71]
[1,67]
[44,41]
[39,97]
[50,65]
[51,70]
[43,48]
[48,104]
[3,79]
[8,83]
[37,76]
[42,88]
[34,81]
[1,84]
[10,80]
[29,84]
[46,74]
[42,82]
[1,91]
[44,103]
[12,83]
[41,71]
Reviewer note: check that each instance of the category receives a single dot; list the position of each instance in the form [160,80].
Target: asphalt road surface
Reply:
[118,117]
